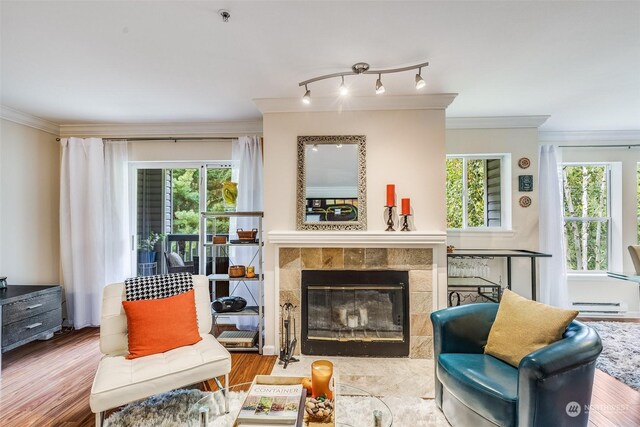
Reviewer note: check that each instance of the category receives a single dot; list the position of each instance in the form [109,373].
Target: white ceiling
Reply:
[93,62]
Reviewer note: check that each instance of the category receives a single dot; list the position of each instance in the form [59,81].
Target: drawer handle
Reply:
[35,325]
[31,307]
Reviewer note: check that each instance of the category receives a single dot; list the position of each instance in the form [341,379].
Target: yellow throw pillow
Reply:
[523,326]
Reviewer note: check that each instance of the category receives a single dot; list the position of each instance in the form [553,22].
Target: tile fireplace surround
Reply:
[318,255]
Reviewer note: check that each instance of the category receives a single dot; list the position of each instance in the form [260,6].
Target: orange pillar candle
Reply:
[406,207]
[321,373]
[391,195]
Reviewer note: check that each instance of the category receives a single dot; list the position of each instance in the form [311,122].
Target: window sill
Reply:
[596,276]
[480,232]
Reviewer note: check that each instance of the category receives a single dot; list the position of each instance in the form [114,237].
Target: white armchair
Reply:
[119,381]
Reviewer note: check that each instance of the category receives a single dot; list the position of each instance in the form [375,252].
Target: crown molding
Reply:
[498,122]
[141,130]
[589,135]
[438,101]
[27,119]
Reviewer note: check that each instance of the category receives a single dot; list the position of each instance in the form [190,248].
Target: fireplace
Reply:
[355,313]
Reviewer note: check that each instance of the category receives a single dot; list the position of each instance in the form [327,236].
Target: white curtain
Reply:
[93,223]
[553,271]
[247,172]
[117,248]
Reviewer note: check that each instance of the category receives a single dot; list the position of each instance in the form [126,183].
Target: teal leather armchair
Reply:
[551,387]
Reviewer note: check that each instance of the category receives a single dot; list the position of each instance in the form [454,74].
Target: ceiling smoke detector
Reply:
[224,14]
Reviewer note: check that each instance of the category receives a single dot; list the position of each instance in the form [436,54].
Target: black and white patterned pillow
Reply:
[156,287]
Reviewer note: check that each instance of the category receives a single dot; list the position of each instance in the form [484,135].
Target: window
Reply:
[638,201]
[587,215]
[475,192]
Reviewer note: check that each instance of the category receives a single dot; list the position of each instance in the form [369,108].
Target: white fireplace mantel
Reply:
[357,238]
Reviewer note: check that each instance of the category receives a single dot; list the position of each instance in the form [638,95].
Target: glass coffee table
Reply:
[354,408]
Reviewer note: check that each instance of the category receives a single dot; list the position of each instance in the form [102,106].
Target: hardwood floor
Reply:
[47,383]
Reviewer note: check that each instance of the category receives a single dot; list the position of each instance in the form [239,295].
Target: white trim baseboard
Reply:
[13,115]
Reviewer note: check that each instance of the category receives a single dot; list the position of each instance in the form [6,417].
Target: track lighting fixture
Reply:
[307,96]
[338,145]
[420,83]
[364,68]
[315,147]
[379,87]
[343,89]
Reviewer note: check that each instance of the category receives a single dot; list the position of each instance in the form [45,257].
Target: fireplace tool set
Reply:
[288,340]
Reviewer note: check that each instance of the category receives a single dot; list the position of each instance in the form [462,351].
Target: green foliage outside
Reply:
[476,175]
[454,193]
[585,196]
[186,214]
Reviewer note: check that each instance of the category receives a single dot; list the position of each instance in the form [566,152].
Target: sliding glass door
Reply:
[167,199]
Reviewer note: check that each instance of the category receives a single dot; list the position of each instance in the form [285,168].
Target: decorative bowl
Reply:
[320,409]
[236,271]
[247,234]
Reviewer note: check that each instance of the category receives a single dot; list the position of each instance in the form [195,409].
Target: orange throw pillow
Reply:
[159,325]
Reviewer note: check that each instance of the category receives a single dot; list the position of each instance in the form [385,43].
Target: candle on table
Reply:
[391,195]
[406,207]
[321,372]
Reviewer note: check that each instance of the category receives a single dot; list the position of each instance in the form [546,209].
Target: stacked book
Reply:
[269,405]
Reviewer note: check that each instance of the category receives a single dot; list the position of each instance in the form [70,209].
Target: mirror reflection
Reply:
[331,182]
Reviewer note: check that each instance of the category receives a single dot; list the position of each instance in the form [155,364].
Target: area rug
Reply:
[378,376]
[620,355]
[171,410]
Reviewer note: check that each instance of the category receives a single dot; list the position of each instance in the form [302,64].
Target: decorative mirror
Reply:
[332,183]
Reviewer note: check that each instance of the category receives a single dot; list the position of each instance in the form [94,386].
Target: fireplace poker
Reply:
[288,344]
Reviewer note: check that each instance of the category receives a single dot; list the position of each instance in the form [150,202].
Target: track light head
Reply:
[343,89]
[306,99]
[379,87]
[315,147]
[420,83]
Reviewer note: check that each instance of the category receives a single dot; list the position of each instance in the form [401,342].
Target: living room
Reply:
[414,158]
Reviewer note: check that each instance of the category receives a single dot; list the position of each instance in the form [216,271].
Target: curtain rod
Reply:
[600,146]
[169,139]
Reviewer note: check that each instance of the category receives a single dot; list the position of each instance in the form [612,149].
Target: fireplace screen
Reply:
[355,313]
[359,313]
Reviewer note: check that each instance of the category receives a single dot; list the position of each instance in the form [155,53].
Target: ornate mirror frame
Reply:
[361,223]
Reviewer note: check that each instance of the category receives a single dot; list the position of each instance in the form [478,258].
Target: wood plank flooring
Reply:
[47,383]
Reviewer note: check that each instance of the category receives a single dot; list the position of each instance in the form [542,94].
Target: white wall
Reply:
[29,205]
[179,151]
[520,142]
[406,148]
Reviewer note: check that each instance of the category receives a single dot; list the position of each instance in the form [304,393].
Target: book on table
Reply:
[268,404]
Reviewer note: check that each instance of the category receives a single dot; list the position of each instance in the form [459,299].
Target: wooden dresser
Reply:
[29,313]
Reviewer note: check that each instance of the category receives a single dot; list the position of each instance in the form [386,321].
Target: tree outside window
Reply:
[587,216]
[186,215]
[473,192]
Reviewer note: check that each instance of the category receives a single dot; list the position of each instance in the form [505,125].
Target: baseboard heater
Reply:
[600,307]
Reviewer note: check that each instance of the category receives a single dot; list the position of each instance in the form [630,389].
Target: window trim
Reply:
[505,194]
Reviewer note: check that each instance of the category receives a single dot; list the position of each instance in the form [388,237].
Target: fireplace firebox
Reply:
[355,313]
